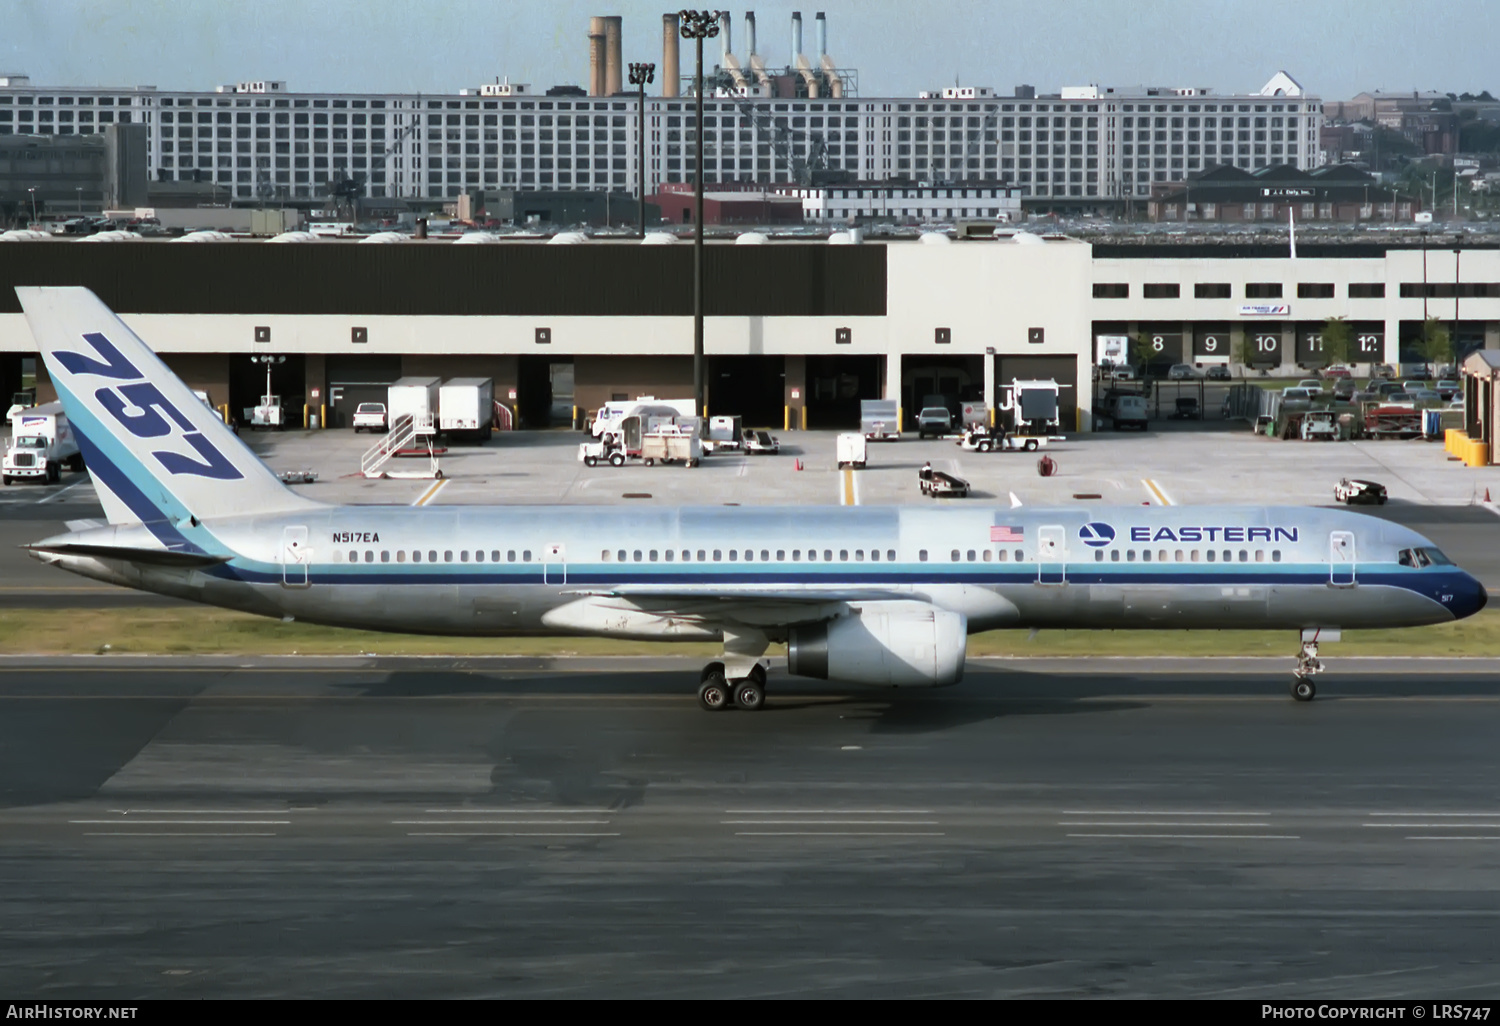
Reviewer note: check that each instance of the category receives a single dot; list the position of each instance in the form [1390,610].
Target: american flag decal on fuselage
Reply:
[1007,534]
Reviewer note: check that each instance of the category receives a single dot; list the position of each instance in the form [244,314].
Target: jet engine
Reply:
[889,644]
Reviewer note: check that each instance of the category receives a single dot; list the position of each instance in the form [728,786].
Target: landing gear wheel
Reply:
[749,695]
[713,693]
[1303,690]
[758,674]
[1308,664]
[617,459]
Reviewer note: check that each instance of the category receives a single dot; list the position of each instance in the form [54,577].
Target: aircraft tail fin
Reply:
[155,451]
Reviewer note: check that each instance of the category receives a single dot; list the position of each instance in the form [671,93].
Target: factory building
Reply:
[797,333]
[804,123]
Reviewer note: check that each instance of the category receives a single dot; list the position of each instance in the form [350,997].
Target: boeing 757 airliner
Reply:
[867,595]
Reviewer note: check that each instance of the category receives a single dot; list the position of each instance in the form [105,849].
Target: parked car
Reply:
[370,417]
[1424,395]
[1344,389]
[759,442]
[1127,411]
[1388,388]
[1182,372]
[1448,388]
[1217,372]
[934,420]
[1299,392]
[1413,384]
[1382,371]
[1314,384]
[1353,491]
[1337,370]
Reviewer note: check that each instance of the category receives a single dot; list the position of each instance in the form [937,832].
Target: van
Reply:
[1128,411]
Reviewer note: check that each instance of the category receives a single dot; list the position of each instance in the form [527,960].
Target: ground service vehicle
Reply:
[725,432]
[982,439]
[851,449]
[880,419]
[466,408]
[759,443]
[414,397]
[883,596]
[683,447]
[1355,492]
[20,401]
[934,420]
[370,417]
[942,485]
[41,444]
[611,414]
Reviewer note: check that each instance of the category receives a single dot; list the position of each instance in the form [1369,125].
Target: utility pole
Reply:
[640,75]
[698,26]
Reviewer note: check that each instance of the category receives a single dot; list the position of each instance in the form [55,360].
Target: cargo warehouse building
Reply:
[795,333]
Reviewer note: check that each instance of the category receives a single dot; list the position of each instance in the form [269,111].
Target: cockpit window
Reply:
[1423,557]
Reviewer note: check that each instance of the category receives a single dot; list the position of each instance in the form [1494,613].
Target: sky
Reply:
[1335,48]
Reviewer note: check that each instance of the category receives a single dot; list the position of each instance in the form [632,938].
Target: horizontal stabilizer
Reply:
[152,557]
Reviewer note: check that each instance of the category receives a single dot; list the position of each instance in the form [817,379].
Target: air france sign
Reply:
[1097,535]
[142,410]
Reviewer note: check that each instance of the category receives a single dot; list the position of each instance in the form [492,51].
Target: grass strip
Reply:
[209,631]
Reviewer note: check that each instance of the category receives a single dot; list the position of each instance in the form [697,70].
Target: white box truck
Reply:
[880,419]
[466,408]
[851,449]
[416,398]
[41,444]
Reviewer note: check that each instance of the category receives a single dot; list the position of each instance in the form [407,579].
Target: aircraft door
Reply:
[1051,555]
[1341,559]
[296,554]
[554,564]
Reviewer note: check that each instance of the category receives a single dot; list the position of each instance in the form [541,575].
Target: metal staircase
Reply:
[408,436]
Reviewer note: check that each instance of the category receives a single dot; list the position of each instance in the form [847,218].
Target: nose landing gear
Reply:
[1303,689]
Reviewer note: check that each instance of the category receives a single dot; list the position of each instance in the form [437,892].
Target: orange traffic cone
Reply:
[799,464]
[1486,495]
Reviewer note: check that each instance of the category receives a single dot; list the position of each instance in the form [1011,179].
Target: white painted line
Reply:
[1465,837]
[488,833]
[830,812]
[202,812]
[837,833]
[189,822]
[58,495]
[829,822]
[175,833]
[1103,812]
[1202,837]
[1434,815]
[500,822]
[476,811]
[1155,823]
[1448,826]
[431,492]
[1156,492]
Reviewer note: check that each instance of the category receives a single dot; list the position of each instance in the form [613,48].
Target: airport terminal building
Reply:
[796,332]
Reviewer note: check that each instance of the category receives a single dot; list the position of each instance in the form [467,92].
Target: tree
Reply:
[1437,344]
[1240,352]
[1338,341]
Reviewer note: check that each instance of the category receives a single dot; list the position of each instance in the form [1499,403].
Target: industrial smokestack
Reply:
[724,48]
[671,74]
[796,36]
[614,66]
[596,57]
[822,23]
[749,33]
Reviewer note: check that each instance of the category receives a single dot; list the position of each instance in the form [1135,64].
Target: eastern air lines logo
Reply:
[1096,535]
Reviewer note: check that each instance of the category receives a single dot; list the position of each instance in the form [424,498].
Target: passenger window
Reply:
[1276,555]
[1228,556]
[718,555]
[401,555]
[1210,555]
[353,556]
[463,557]
[622,555]
[416,556]
[1179,556]
[1130,556]
[765,557]
[1193,555]
[701,554]
[637,555]
[890,554]
[1145,555]
[954,557]
[511,556]
[526,555]
[1161,555]
[479,555]
[1098,555]
[687,555]
[986,555]
[1003,554]
[828,555]
[733,555]
[669,554]
[781,555]
[922,556]
[843,555]
[385,556]
[1260,555]
[812,555]
[369,556]
[1244,556]
[494,555]
[1114,555]
[447,555]
[653,555]
[971,555]
[796,555]
[604,556]
[1020,555]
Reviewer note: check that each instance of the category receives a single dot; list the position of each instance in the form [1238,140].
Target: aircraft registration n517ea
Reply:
[867,595]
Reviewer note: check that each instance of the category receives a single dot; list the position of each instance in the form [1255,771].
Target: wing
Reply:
[645,608]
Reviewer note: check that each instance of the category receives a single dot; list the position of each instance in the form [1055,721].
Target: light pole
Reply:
[698,26]
[32,190]
[640,75]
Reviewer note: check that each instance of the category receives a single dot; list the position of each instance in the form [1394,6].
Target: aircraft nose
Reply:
[1473,601]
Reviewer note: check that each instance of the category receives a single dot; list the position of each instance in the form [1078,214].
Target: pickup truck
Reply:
[370,417]
[934,420]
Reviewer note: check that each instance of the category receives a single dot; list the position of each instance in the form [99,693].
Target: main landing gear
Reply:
[1303,689]
[716,692]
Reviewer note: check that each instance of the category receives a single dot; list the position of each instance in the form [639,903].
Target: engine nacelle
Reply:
[889,644]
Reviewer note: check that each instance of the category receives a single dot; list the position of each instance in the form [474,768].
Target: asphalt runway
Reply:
[528,828]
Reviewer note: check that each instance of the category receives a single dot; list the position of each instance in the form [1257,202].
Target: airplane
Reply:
[882,596]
